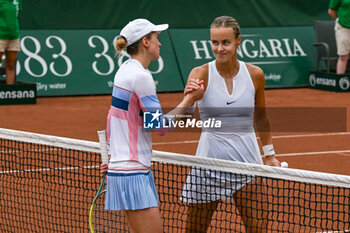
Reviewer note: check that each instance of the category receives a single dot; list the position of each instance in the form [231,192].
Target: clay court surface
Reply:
[325,149]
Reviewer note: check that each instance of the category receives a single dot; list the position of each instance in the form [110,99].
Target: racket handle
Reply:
[103,146]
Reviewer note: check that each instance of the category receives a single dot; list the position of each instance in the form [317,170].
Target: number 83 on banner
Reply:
[33,57]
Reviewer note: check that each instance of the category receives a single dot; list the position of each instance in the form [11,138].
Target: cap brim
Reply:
[160,27]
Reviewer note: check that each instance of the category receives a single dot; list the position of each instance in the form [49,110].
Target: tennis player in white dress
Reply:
[234,94]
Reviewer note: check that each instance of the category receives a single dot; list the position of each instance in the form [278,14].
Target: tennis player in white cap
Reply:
[130,183]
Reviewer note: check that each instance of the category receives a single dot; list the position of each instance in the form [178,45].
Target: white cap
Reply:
[138,28]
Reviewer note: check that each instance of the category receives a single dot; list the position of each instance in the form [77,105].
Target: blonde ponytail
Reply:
[120,44]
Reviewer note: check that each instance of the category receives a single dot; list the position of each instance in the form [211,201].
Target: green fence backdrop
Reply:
[112,14]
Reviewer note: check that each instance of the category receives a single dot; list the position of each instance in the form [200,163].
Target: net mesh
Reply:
[48,183]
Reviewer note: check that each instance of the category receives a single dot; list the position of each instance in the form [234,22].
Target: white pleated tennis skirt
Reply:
[204,186]
[133,191]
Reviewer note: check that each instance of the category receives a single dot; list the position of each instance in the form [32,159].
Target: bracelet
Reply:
[268,150]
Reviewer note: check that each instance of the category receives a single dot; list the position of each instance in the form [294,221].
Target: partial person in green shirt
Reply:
[9,35]
[339,10]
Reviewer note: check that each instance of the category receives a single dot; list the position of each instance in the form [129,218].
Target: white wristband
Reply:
[268,150]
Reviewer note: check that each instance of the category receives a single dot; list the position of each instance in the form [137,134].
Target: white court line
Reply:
[196,141]
[312,135]
[18,150]
[89,167]
[345,231]
[316,153]
[273,137]
[47,169]
[344,154]
[177,142]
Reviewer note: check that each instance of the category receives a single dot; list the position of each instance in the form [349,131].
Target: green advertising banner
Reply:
[19,93]
[285,54]
[83,62]
[329,81]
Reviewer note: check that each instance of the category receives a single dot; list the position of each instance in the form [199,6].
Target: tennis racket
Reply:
[101,220]
[99,198]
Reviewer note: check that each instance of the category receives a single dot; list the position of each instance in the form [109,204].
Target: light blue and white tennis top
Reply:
[236,139]
[134,92]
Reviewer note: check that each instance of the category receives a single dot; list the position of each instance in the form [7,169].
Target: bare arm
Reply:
[333,13]
[194,90]
[200,74]
[261,118]
[186,102]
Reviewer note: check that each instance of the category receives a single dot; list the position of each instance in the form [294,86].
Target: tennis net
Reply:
[48,183]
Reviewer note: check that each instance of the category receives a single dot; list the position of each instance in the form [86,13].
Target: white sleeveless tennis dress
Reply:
[235,140]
